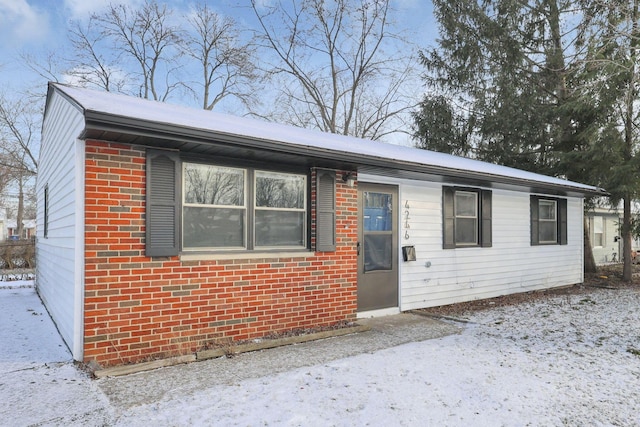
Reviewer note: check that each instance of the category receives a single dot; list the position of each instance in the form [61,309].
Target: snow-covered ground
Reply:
[568,360]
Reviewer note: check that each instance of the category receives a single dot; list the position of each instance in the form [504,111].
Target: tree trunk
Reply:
[626,240]
[629,143]
[589,260]
[20,213]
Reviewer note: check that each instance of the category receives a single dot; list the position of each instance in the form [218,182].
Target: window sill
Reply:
[209,256]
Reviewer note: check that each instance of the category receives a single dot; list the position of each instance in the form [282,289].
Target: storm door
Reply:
[377,246]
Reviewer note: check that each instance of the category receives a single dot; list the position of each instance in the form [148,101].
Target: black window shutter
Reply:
[46,211]
[485,230]
[535,235]
[163,203]
[326,211]
[562,221]
[448,218]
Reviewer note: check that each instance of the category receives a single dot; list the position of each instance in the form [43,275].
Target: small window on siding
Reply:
[465,207]
[548,221]
[466,217]
[46,211]
[598,231]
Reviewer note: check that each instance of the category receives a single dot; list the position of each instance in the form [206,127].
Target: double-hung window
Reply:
[196,206]
[466,217]
[279,210]
[548,221]
[239,208]
[598,231]
[214,208]
[465,206]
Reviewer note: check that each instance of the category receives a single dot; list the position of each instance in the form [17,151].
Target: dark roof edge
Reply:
[51,87]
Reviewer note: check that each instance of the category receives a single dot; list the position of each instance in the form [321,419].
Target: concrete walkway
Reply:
[131,390]
[40,384]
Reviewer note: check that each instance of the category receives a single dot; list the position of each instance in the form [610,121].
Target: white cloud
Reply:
[80,9]
[21,22]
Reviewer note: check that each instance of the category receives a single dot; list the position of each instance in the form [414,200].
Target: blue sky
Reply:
[35,27]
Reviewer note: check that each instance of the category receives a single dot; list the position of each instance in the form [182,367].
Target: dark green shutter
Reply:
[448,218]
[326,211]
[485,209]
[163,203]
[562,221]
[535,234]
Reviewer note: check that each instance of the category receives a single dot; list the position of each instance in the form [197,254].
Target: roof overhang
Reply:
[209,140]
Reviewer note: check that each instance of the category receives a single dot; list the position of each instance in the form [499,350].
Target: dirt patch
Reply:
[607,277]
[306,331]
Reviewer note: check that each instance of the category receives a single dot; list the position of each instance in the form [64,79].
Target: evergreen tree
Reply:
[612,59]
[516,73]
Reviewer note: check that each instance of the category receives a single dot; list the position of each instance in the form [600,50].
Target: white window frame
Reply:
[475,217]
[249,208]
[548,221]
[257,208]
[599,219]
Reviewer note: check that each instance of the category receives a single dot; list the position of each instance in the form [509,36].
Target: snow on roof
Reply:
[118,105]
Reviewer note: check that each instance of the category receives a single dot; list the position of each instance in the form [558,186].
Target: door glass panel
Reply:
[377,231]
[377,211]
[377,253]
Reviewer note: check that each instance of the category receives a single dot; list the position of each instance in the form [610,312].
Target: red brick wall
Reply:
[139,308]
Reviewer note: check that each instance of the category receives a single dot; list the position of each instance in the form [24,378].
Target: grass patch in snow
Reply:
[633,351]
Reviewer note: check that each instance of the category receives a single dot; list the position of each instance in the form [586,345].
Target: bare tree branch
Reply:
[226,63]
[333,65]
[146,37]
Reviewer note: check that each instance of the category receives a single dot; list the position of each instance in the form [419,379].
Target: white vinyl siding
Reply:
[59,270]
[511,265]
[608,247]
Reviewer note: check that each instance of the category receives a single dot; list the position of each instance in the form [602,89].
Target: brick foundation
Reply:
[138,308]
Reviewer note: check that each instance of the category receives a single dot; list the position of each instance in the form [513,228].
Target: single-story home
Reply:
[28,229]
[164,229]
[604,224]
[604,233]
[3,224]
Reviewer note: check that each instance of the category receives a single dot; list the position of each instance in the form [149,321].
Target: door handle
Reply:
[358,248]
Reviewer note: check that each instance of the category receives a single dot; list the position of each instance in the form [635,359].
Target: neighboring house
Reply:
[604,233]
[163,229]
[3,225]
[28,229]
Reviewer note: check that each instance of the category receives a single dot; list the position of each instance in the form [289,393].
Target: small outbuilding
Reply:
[604,234]
[163,230]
